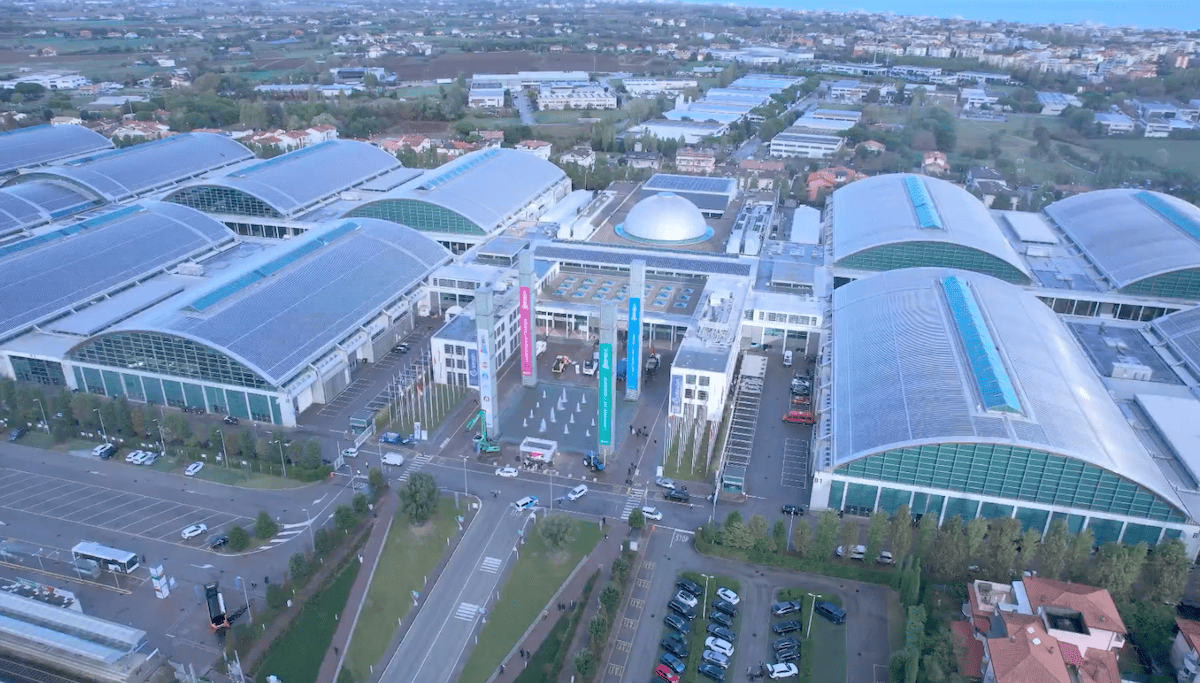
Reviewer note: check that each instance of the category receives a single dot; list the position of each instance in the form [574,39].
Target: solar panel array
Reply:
[459,169]
[927,214]
[667,263]
[16,212]
[1182,330]
[36,145]
[684,183]
[1172,214]
[282,159]
[56,200]
[41,277]
[995,386]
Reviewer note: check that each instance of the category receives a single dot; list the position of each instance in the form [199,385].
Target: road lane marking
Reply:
[466,611]
[491,564]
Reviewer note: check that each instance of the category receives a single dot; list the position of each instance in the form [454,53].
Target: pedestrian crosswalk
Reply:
[490,564]
[632,501]
[415,466]
[466,611]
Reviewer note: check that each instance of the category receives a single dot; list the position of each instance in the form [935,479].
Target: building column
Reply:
[527,320]
[633,336]
[485,336]
[608,381]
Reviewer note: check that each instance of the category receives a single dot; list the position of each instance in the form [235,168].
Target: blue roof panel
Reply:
[995,387]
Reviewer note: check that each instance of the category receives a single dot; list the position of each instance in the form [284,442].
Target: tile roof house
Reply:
[1185,651]
[829,178]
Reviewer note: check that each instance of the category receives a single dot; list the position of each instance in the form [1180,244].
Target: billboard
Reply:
[486,383]
[606,394]
[633,343]
[676,395]
[526,323]
[472,368]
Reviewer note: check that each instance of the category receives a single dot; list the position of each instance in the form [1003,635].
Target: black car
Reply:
[712,671]
[681,609]
[690,586]
[786,626]
[672,661]
[721,618]
[680,495]
[17,433]
[793,510]
[788,655]
[830,611]
[676,622]
[721,632]
[785,643]
[725,606]
[786,607]
[675,646]
[218,541]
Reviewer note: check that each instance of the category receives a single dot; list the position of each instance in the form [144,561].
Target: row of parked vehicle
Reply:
[786,647]
[718,646]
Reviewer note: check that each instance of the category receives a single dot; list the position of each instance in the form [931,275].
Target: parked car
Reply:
[230,420]
[672,661]
[678,495]
[786,626]
[712,671]
[507,472]
[681,609]
[194,531]
[786,607]
[690,586]
[218,541]
[793,510]
[719,645]
[800,417]
[728,596]
[687,598]
[790,654]
[675,646]
[830,611]
[132,456]
[678,623]
[721,632]
[193,468]
[402,348]
[663,672]
[17,433]
[721,618]
[651,513]
[725,606]
[860,551]
[665,483]
[716,658]
[775,671]
[785,643]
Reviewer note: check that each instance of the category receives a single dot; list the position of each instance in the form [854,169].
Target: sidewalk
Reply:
[385,512]
[601,558]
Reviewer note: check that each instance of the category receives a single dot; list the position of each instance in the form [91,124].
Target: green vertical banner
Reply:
[606,394]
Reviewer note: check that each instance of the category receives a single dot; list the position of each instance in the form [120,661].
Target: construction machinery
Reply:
[592,460]
[481,439]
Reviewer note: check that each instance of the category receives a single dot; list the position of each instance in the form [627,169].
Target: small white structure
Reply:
[538,450]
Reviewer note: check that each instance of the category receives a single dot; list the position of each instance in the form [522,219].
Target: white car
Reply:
[665,483]
[719,645]
[507,472]
[686,598]
[652,513]
[194,531]
[784,670]
[133,456]
[728,596]
[350,453]
[193,468]
[577,492]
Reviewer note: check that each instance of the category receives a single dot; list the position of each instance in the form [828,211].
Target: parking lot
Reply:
[109,509]
[795,463]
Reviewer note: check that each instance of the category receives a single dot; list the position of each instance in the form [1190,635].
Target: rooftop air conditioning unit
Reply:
[194,269]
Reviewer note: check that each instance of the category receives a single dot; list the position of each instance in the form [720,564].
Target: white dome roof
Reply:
[665,217]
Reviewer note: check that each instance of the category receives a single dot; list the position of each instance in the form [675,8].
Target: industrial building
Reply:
[711,195]
[37,145]
[791,143]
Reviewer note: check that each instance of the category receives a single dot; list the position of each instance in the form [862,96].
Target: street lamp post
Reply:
[43,409]
[704,604]
[808,630]
[464,475]
[311,537]
[282,462]
[224,449]
[162,442]
[102,429]
[247,598]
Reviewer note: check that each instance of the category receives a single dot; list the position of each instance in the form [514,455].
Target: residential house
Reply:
[828,179]
[769,165]
[874,146]
[977,98]
[935,163]
[490,138]
[1114,123]
[1185,651]
[580,156]
[691,160]
[66,121]
[143,130]
[538,148]
[651,160]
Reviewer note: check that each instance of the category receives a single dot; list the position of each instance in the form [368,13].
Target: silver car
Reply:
[714,657]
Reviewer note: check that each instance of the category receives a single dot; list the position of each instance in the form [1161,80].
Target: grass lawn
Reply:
[550,658]
[573,115]
[1183,155]
[531,584]
[699,626]
[232,476]
[443,402]
[682,468]
[296,657]
[409,555]
[37,440]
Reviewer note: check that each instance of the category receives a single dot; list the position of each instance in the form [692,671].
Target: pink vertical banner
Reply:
[526,333]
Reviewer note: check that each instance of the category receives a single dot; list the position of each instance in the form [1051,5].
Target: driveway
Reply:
[524,108]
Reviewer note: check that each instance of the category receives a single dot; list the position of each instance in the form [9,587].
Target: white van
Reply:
[394,459]
[577,492]
[787,359]
[526,503]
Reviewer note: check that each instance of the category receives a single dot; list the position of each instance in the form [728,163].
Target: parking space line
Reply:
[21,484]
[199,521]
[153,532]
[49,512]
[113,508]
[25,489]
[149,514]
[68,493]
[141,512]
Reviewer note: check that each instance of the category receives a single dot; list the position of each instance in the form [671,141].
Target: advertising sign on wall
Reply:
[472,367]
[634,343]
[606,394]
[526,323]
[676,395]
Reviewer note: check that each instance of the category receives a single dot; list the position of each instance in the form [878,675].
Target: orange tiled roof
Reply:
[1095,604]
[971,663]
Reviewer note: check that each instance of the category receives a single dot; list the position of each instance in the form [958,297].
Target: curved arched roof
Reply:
[902,375]
[130,172]
[32,203]
[485,187]
[903,208]
[282,311]
[665,217]
[299,180]
[37,145]
[1131,234]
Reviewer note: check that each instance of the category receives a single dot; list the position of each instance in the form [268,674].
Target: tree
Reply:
[264,526]
[344,517]
[827,531]
[1117,567]
[239,540]
[876,532]
[360,504]
[848,538]
[1002,202]
[927,531]
[1052,551]
[912,593]
[299,567]
[758,530]
[598,629]
[277,597]
[779,534]
[312,455]
[1027,550]
[1001,549]
[1165,573]
[418,497]
[585,664]
[735,534]
[556,529]
[620,569]
[947,556]
[914,637]
[637,520]
[375,478]
[802,539]
[1078,552]
[900,533]
[324,541]
[977,530]
[1152,625]
[609,597]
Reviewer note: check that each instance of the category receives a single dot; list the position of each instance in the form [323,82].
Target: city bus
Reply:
[108,558]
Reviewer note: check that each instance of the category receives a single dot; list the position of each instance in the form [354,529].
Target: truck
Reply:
[216,606]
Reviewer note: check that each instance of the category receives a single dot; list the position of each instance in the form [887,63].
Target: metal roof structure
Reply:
[34,203]
[1129,234]
[1181,330]
[66,630]
[665,218]
[899,209]
[291,184]
[122,174]
[905,374]
[616,256]
[55,271]
[37,145]
[277,315]
[670,182]
[487,188]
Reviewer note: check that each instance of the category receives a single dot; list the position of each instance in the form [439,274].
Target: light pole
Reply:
[704,604]
[102,429]
[311,537]
[464,475]
[162,442]
[808,630]
[282,462]
[551,492]
[246,595]
[43,409]
[224,450]
[791,521]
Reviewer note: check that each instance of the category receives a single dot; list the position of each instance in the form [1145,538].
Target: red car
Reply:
[802,417]
[664,672]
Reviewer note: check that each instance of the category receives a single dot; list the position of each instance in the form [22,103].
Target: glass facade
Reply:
[932,254]
[167,355]
[1180,284]
[38,371]
[1015,473]
[245,405]
[210,199]
[418,215]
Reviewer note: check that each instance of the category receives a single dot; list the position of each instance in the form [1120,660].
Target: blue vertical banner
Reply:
[633,343]
[676,395]
[606,395]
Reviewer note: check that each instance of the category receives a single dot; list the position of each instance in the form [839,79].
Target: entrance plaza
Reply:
[566,413]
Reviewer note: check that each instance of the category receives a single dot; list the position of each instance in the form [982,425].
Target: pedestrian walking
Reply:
[335,651]
[501,668]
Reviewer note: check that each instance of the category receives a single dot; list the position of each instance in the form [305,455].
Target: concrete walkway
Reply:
[385,512]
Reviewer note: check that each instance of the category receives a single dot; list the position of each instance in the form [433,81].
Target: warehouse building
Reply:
[38,145]
[959,394]
[711,195]
[928,222]
[791,143]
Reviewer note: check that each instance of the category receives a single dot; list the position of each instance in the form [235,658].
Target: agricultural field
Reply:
[1183,155]
[451,64]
